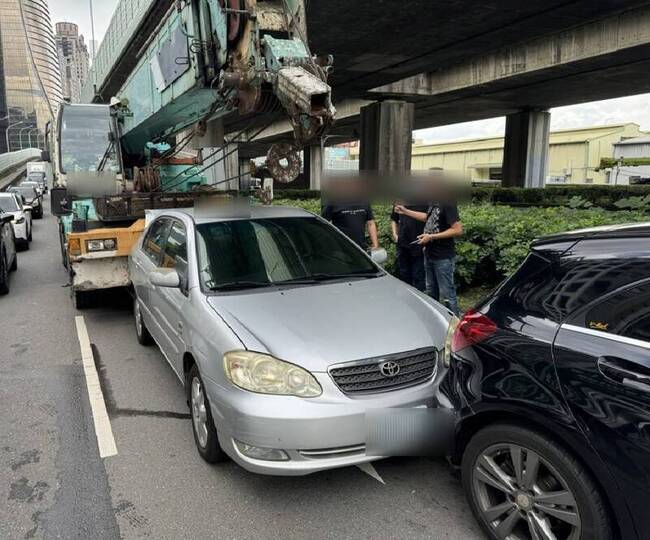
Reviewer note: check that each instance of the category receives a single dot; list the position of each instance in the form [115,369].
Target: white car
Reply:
[11,203]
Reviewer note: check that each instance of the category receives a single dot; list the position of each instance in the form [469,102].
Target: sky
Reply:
[613,111]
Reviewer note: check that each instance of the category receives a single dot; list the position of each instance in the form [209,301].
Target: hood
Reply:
[317,326]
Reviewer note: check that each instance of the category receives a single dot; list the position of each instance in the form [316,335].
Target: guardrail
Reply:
[13,163]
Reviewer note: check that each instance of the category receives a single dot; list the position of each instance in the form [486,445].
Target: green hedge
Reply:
[597,195]
[496,238]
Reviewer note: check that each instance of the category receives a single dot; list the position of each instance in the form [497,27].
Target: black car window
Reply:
[155,240]
[626,313]
[175,254]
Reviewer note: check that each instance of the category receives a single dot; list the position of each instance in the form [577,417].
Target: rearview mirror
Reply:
[167,278]
[379,256]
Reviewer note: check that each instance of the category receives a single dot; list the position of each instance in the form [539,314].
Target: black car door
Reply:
[602,355]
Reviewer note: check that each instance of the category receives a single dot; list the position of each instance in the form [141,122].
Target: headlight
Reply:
[264,374]
[453,324]
[20,220]
[101,245]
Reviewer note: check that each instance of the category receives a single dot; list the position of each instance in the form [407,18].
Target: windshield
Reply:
[26,191]
[8,204]
[273,251]
[85,139]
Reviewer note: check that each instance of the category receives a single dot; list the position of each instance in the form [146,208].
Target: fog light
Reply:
[266,454]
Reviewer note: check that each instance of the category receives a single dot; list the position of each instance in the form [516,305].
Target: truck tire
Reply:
[80,299]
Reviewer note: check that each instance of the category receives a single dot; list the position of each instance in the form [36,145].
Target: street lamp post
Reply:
[29,134]
[7,133]
[20,135]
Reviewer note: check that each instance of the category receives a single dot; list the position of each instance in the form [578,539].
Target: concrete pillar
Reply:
[525,155]
[313,166]
[386,136]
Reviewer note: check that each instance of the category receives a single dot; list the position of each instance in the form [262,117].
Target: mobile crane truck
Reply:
[205,61]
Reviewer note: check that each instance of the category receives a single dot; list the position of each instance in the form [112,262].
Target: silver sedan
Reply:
[290,341]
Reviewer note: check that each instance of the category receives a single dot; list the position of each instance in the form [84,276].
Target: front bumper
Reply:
[100,271]
[316,434]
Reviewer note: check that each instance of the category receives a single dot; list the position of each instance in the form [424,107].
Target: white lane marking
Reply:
[370,470]
[105,439]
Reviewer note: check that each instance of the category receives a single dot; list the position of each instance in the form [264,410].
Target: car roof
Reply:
[231,213]
[625,230]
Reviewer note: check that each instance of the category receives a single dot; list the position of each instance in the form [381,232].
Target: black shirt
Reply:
[440,217]
[350,219]
[408,229]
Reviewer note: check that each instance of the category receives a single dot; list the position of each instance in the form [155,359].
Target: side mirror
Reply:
[45,155]
[168,279]
[379,256]
[6,218]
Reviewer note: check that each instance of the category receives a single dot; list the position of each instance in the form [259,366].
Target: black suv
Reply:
[553,374]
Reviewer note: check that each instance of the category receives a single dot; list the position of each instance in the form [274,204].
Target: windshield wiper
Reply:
[315,278]
[235,285]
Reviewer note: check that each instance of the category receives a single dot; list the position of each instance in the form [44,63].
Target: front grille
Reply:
[365,376]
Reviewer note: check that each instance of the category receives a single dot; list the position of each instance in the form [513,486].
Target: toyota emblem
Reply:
[389,369]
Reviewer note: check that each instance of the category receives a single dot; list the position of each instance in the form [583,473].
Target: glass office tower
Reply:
[30,81]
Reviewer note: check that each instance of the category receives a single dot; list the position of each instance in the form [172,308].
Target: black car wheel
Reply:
[205,434]
[4,274]
[14,264]
[520,485]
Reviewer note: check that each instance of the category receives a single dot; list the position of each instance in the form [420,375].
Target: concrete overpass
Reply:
[461,60]
[590,60]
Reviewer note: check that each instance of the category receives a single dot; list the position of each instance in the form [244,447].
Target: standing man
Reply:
[352,220]
[441,226]
[410,258]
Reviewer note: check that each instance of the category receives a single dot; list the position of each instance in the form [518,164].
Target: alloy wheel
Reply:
[522,496]
[199,412]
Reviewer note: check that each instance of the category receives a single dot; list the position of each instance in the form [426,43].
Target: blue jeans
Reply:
[439,275]
[411,268]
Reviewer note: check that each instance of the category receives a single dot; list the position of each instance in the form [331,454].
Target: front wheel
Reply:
[521,485]
[4,274]
[141,332]
[205,434]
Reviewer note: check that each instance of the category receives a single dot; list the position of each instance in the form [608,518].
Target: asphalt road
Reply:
[53,483]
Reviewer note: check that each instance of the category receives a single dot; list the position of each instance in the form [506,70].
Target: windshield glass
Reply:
[26,191]
[272,251]
[8,204]
[84,139]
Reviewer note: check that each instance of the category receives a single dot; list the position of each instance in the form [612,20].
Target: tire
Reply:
[24,245]
[207,442]
[141,332]
[14,265]
[29,236]
[4,274]
[558,471]
[80,299]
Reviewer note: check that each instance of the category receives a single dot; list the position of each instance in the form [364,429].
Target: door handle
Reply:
[620,371]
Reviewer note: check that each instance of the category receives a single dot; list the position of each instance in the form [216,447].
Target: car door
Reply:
[602,356]
[147,259]
[170,302]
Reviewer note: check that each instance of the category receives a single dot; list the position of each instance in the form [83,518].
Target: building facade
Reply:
[574,155]
[73,60]
[30,82]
